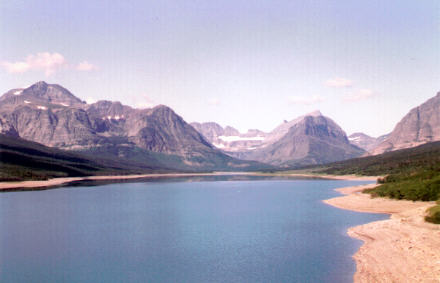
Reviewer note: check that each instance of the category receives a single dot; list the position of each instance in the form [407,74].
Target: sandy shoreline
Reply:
[7,186]
[403,248]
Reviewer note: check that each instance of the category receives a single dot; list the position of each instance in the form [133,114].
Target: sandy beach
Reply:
[23,185]
[403,248]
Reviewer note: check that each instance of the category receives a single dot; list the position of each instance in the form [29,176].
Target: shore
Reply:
[67,180]
[403,248]
[23,185]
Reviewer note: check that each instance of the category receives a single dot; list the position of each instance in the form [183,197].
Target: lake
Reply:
[222,229]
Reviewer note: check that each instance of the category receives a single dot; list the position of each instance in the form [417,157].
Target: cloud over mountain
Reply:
[47,62]
[339,82]
[86,66]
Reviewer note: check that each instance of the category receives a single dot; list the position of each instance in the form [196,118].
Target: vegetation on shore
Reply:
[404,161]
[411,174]
[434,214]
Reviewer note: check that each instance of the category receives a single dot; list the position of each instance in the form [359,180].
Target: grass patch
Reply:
[411,174]
[434,214]
[421,185]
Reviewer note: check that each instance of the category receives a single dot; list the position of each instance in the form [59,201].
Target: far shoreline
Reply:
[403,248]
[63,181]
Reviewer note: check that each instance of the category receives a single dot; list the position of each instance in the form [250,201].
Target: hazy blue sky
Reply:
[248,64]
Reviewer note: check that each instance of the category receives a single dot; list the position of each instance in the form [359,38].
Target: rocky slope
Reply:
[419,126]
[230,139]
[309,139]
[361,140]
[51,115]
[366,142]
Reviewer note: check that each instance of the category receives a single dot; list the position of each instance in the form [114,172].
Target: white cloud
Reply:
[214,101]
[305,100]
[47,62]
[86,66]
[145,103]
[361,94]
[339,82]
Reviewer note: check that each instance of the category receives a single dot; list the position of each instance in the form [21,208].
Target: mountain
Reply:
[366,142]
[361,140]
[419,126]
[230,139]
[51,115]
[21,159]
[309,139]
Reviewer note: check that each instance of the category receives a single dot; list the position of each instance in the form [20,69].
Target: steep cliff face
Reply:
[419,126]
[51,115]
[62,127]
[164,131]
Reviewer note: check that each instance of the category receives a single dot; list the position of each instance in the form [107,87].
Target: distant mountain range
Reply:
[230,139]
[309,139]
[366,142]
[51,115]
[159,139]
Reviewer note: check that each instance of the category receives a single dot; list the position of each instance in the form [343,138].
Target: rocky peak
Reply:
[320,126]
[162,109]
[309,139]
[230,131]
[315,113]
[50,93]
[39,87]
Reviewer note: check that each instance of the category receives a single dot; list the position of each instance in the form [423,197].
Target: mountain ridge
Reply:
[420,125]
[319,139]
[49,114]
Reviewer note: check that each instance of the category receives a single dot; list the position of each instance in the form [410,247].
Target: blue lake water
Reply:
[182,230]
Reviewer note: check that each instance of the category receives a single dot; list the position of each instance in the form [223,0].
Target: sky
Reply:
[247,64]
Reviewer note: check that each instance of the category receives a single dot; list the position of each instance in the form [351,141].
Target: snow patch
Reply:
[116,117]
[41,107]
[18,92]
[27,102]
[218,145]
[238,138]
[63,104]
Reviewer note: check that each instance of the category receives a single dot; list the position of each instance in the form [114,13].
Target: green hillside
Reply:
[399,161]
[412,174]
[25,160]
